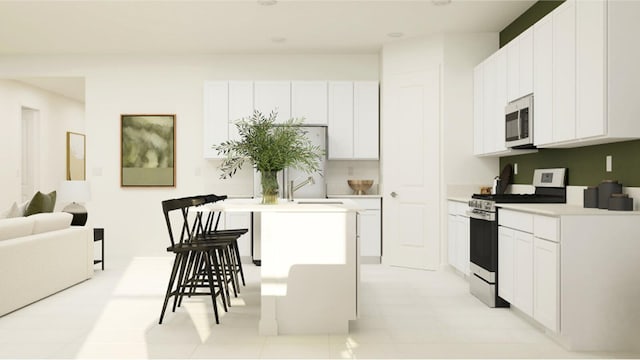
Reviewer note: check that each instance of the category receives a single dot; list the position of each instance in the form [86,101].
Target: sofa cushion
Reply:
[41,203]
[45,222]
[16,227]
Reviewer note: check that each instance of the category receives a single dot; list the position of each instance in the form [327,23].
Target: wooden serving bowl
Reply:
[360,187]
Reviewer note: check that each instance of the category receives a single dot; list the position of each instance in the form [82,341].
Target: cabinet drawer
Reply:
[461,209]
[546,227]
[452,207]
[368,204]
[516,220]
[457,208]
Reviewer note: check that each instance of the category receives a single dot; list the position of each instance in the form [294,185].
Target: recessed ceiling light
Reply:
[267,2]
[395,34]
[440,2]
[278,40]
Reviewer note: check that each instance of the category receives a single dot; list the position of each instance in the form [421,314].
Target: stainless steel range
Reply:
[549,188]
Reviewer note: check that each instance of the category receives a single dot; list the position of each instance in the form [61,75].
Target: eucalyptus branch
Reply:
[269,146]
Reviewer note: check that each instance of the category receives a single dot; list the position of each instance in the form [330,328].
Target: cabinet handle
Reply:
[394,194]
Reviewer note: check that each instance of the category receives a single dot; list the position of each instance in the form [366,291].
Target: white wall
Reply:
[116,85]
[462,171]
[57,115]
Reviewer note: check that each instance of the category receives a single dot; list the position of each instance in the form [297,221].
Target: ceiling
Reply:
[38,27]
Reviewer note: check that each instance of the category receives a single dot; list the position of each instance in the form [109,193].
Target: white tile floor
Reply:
[404,314]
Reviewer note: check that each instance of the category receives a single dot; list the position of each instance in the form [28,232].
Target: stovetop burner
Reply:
[522,198]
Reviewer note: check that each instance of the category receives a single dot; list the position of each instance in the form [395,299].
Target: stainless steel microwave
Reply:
[519,123]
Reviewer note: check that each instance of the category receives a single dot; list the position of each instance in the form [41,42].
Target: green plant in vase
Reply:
[271,148]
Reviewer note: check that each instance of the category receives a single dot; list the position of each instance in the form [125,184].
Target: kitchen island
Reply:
[309,272]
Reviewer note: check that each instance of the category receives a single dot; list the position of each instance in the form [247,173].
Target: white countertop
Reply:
[564,210]
[352,196]
[299,205]
[459,199]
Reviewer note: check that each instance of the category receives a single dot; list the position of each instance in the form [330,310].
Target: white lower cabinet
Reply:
[458,236]
[515,273]
[528,265]
[546,283]
[369,229]
[239,220]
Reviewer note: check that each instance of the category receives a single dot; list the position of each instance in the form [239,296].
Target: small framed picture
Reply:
[76,163]
[147,150]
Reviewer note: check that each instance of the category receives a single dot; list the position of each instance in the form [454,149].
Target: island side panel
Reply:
[309,265]
[600,292]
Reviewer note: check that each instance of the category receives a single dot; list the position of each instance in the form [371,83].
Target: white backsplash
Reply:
[339,171]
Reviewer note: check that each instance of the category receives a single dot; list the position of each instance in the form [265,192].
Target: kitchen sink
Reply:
[309,202]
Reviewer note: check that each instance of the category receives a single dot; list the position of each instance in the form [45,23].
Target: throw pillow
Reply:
[21,209]
[41,203]
[14,211]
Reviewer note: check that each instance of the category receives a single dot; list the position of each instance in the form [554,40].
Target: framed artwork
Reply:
[76,163]
[147,151]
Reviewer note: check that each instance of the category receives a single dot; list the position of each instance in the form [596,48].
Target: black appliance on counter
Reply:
[549,188]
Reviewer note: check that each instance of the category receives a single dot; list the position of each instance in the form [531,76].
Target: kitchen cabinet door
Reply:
[523,272]
[240,220]
[478,109]
[543,81]
[452,240]
[500,101]
[240,105]
[370,228]
[546,282]
[462,244]
[506,241]
[564,72]
[490,95]
[513,69]
[309,101]
[525,64]
[340,128]
[365,120]
[215,126]
[591,84]
[273,95]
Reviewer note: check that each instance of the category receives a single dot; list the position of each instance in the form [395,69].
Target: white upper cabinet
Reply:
[543,80]
[309,101]
[520,66]
[240,104]
[340,120]
[215,98]
[490,85]
[273,95]
[349,109]
[365,120]
[478,109]
[353,120]
[594,74]
[564,72]
[590,69]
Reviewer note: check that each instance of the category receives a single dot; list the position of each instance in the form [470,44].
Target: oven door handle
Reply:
[482,215]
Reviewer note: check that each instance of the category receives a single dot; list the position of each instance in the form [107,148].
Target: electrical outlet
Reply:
[515,169]
[609,163]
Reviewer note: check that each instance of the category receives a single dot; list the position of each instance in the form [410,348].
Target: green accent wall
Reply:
[586,164]
[536,12]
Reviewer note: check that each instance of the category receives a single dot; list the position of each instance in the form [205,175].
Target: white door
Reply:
[410,168]
[30,159]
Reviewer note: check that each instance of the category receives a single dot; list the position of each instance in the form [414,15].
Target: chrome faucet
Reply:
[295,188]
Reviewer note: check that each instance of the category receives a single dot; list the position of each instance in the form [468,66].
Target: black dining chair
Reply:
[211,229]
[188,249]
